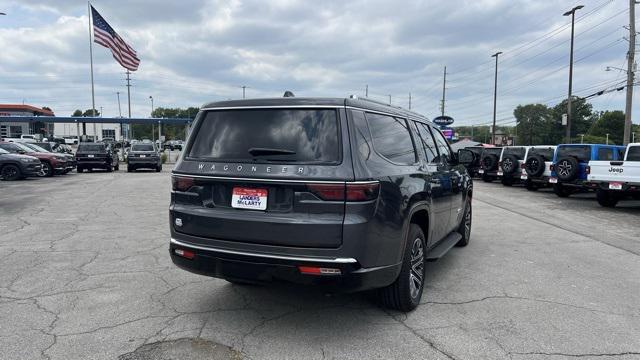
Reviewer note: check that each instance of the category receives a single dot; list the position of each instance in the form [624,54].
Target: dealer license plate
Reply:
[480,171]
[143,156]
[90,156]
[523,177]
[615,186]
[248,198]
[500,173]
[553,180]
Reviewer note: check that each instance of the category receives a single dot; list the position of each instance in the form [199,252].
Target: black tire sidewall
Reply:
[539,170]
[514,164]
[17,176]
[573,173]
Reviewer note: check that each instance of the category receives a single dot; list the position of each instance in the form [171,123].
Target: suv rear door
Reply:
[273,176]
[454,178]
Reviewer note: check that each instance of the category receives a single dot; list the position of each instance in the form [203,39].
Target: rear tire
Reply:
[507,181]
[561,190]
[10,172]
[464,228]
[487,178]
[79,169]
[109,168]
[117,167]
[529,185]
[404,294]
[129,169]
[606,198]
[47,169]
[159,168]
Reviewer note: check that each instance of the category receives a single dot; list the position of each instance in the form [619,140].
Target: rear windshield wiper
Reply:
[270,151]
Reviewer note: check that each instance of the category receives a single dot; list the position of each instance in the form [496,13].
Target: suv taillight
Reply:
[348,192]
[181,183]
[588,170]
[550,167]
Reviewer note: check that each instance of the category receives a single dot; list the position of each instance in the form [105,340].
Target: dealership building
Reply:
[15,129]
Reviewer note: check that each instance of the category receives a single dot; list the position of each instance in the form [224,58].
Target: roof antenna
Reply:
[288,94]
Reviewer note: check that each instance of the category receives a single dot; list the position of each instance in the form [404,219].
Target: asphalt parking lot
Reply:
[85,274]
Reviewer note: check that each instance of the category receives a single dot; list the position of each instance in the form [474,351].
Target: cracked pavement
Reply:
[85,274]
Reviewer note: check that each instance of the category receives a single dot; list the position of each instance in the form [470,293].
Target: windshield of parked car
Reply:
[37,148]
[582,153]
[143,147]
[44,145]
[91,148]
[518,152]
[3,151]
[268,135]
[23,147]
[633,154]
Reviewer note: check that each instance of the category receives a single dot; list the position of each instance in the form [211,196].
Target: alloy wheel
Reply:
[9,172]
[507,164]
[564,168]
[416,275]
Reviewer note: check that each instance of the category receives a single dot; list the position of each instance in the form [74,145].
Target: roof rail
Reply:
[355,97]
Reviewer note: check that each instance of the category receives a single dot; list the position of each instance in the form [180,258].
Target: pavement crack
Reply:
[576,355]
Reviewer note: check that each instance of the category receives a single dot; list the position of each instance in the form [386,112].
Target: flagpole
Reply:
[93,98]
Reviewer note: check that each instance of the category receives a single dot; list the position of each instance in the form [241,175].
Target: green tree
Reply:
[582,118]
[609,122]
[532,123]
[89,113]
[77,113]
[170,132]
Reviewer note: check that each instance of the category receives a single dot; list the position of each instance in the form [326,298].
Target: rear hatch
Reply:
[265,176]
[91,152]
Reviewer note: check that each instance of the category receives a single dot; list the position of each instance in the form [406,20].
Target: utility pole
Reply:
[607,139]
[366,91]
[630,71]
[495,97]
[129,100]
[119,108]
[389,99]
[571,12]
[444,88]
[244,88]
[153,132]
[409,101]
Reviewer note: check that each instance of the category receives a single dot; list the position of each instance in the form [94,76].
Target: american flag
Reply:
[104,35]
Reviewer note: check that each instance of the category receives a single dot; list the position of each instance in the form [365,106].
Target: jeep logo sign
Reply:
[616,170]
[443,120]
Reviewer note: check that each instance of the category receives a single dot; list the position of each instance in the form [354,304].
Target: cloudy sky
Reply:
[195,51]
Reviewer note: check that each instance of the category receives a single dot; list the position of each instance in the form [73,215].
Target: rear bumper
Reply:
[88,164]
[265,268]
[626,186]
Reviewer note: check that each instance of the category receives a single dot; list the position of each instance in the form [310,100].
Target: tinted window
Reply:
[46,146]
[621,153]
[91,148]
[517,152]
[143,147]
[3,151]
[428,145]
[36,148]
[547,154]
[391,138]
[268,135]
[492,151]
[363,136]
[605,154]
[633,154]
[443,147]
[12,148]
[582,153]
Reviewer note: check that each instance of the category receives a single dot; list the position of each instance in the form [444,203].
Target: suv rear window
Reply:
[268,135]
[517,152]
[547,154]
[633,154]
[605,154]
[492,151]
[142,147]
[582,153]
[391,138]
[90,148]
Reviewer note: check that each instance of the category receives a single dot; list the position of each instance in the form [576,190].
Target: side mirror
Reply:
[465,157]
[21,152]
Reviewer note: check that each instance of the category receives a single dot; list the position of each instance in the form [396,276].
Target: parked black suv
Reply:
[489,163]
[143,156]
[474,167]
[96,156]
[348,194]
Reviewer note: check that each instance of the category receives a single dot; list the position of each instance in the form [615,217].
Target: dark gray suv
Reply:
[143,156]
[347,194]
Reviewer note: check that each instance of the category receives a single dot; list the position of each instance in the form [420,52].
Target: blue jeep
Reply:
[571,165]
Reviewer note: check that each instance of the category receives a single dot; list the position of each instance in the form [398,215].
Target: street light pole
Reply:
[153,130]
[607,139]
[571,12]
[495,99]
